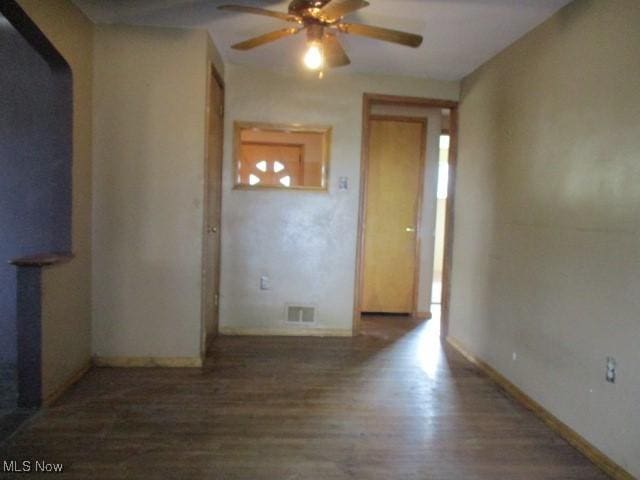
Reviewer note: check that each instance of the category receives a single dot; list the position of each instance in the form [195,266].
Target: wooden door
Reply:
[393,198]
[213,204]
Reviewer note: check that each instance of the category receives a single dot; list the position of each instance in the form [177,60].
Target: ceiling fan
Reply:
[322,20]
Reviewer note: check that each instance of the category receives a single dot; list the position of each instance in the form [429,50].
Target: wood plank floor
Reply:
[391,404]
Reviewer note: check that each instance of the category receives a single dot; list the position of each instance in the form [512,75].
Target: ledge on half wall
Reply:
[42,259]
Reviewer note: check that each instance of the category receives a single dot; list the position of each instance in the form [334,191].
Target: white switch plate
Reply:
[264,283]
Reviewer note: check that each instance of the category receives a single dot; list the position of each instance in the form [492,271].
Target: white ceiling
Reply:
[459,35]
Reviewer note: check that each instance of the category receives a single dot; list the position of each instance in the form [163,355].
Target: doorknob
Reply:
[212,229]
[410,229]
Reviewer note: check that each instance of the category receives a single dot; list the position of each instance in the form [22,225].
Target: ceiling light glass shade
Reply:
[314,59]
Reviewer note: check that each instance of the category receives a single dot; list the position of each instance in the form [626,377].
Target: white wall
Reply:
[304,241]
[149,148]
[547,220]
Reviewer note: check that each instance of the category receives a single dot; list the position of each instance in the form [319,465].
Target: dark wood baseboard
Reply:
[148,362]
[598,458]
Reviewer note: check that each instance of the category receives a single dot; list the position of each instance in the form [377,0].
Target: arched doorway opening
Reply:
[35,190]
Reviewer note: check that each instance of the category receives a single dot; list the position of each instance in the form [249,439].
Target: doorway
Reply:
[441,212]
[35,198]
[212,209]
[398,205]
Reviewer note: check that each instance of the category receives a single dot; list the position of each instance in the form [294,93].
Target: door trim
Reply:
[369,100]
[212,75]
[418,217]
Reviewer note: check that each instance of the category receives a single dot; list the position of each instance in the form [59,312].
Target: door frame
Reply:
[369,100]
[212,75]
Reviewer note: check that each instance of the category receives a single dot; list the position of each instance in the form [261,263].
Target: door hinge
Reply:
[221,110]
[216,299]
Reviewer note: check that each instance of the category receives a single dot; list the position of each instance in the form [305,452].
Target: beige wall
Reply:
[66,303]
[308,251]
[214,58]
[149,148]
[547,216]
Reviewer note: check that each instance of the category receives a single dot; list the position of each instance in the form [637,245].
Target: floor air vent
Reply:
[301,314]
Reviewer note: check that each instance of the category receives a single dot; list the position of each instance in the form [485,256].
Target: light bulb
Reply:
[313,59]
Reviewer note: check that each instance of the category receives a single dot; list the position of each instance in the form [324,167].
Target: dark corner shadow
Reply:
[12,422]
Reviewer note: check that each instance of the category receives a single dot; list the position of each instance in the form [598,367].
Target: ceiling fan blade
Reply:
[264,39]
[334,54]
[385,34]
[339,8]
[287,17]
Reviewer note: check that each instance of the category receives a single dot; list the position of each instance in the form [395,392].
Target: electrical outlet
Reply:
[343,184]
[611,370]
[514,356]
[264,283]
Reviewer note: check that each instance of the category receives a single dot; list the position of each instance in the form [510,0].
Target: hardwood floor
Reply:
[391,404]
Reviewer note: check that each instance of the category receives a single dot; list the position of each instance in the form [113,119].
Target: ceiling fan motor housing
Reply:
[297,7]
[315,32]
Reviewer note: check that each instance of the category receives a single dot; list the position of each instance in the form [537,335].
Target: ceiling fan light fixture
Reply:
[322,21]
[314,58]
